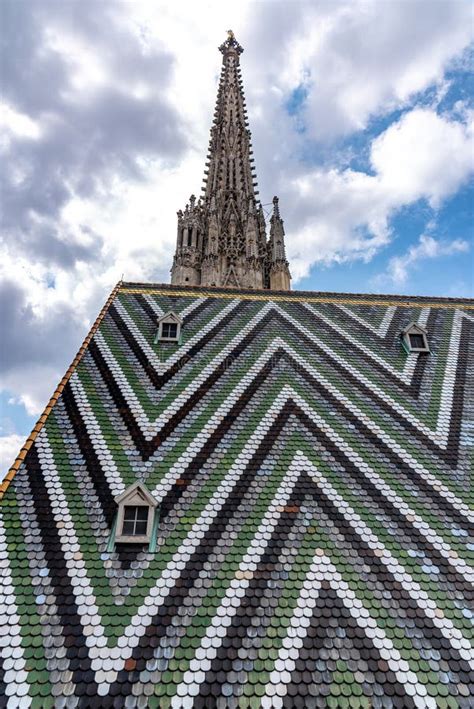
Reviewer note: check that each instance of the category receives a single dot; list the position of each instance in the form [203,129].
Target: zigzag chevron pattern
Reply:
[316,535]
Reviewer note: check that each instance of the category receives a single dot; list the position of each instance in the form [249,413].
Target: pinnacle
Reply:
[276,209]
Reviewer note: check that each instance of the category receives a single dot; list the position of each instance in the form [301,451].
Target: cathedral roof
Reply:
[315,495]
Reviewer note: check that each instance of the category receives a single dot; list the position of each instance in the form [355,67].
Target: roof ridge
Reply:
[323,296]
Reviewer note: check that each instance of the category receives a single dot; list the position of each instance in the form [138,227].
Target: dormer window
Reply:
[169,328]
[414,338]
[135,515]
[169,331]
[135,520]
[417,342]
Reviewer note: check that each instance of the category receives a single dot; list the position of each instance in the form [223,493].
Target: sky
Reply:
[362,123]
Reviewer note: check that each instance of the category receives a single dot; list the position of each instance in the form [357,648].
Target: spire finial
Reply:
[230,44]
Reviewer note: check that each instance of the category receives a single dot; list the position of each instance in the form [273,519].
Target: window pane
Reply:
[169,329]
[135,520]
[140,527]
[417,341]
[130,513]
[128,528]
[142,513]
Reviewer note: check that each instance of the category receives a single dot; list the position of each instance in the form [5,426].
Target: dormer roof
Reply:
[170,315]
[136,494]
[414,327]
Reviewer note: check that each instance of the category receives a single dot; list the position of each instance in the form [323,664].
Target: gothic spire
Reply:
[230,172]
[221,240]
[279,271]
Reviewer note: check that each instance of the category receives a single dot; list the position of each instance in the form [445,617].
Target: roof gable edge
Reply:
[57,393]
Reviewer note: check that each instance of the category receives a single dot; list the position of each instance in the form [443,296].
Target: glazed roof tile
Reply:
[315,539]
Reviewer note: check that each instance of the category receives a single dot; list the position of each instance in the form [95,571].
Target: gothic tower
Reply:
[221,239]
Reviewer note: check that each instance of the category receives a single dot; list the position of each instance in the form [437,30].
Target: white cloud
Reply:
[428,247]
[9,449]
[368,58]
[108,130]
[18,123]
[345,214]
[423,155]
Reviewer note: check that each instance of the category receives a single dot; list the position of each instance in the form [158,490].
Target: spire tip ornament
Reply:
[231,45]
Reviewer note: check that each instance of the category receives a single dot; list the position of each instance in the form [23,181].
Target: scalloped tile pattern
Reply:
[316,540]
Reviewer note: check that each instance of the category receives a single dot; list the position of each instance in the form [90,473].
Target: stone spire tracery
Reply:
[221,239]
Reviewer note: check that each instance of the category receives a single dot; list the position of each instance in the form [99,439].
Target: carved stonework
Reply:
[189,257]
[280,278]
[221,239]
